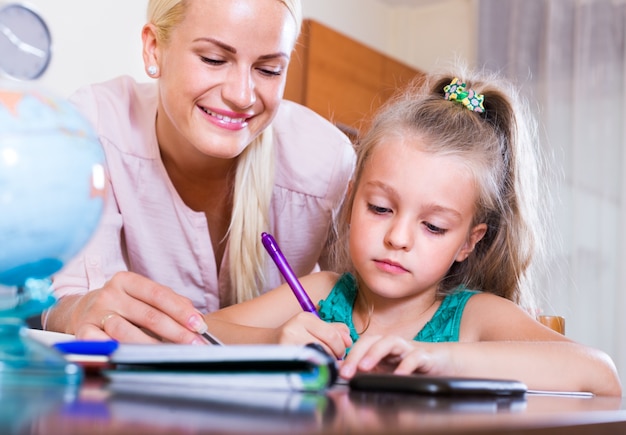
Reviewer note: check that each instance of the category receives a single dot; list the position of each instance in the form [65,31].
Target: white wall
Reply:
[97,40]
[92,41]
[435,34]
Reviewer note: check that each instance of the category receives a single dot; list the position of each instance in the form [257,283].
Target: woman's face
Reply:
[222,74]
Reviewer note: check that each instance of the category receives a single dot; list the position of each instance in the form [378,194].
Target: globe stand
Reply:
[51,160]
[25,362]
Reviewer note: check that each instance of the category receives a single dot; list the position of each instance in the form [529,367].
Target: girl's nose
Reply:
[400,234]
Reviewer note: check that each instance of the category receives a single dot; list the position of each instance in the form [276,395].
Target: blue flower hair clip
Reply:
[456,91]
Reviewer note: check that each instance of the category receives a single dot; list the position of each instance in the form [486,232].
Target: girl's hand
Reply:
[306,328]
[132,308]
[393,354]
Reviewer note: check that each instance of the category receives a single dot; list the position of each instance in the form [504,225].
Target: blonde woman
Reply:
[200,162]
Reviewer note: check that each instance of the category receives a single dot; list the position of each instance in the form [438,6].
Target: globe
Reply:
[52,186]
[51,183]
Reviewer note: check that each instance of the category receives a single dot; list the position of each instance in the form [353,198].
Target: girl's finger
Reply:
[417,360]
[351,363]
[385,349]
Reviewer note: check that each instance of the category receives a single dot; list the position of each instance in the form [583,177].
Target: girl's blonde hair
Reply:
[254,180]
[500,148]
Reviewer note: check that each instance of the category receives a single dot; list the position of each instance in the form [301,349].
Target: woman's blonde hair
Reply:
[500,147]
[254,180]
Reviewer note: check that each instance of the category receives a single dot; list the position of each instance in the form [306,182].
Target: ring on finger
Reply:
[105,318]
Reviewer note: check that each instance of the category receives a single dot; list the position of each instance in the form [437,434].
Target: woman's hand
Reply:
[306,328]
[393,354]
[131,308]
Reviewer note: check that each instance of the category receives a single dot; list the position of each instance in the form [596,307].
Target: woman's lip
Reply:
[233,121]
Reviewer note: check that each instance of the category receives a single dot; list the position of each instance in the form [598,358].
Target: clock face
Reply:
[25,43]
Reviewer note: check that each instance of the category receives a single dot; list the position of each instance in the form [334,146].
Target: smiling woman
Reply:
[200,163]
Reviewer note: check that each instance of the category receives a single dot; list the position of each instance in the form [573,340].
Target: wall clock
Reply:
[25,42]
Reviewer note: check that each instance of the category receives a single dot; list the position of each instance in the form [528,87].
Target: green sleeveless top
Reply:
[443,327]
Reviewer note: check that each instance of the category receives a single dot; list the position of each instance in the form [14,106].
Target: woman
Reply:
[199,164]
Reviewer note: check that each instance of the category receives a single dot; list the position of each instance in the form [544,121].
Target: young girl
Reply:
[437,235]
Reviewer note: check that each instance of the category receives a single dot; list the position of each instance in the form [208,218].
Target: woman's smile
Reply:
[232,121]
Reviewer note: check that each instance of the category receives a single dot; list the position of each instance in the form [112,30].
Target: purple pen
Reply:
[281,262]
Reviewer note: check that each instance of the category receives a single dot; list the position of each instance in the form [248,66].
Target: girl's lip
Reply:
[230,120]
[390,266]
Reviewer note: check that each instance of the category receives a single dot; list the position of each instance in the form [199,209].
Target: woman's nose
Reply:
[239,88]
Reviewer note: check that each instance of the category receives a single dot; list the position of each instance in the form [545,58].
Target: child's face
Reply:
[411,218]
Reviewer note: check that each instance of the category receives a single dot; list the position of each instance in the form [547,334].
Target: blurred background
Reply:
[568,56]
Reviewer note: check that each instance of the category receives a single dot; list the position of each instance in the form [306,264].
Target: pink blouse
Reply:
[146,227]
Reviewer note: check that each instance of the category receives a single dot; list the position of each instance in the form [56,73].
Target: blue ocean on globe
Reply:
[52,183]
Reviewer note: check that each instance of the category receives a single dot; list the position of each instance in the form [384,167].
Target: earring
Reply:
[152,70]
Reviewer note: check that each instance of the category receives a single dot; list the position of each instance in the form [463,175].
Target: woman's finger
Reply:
[137,305]
[158,296]
[120,329]
[88,331]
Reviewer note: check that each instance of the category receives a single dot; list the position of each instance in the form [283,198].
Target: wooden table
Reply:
[95,409]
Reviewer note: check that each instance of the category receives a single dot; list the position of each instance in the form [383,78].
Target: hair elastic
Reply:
[456,91]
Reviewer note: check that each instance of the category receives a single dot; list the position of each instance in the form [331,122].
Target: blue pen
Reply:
[281,262]
[87,347]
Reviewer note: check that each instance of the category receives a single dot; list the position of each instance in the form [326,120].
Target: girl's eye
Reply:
[434,229]
[378,210]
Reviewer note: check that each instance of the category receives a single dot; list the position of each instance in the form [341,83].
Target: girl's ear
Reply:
[475,235]
[349,195]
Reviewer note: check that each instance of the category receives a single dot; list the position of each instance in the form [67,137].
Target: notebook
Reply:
[192,369]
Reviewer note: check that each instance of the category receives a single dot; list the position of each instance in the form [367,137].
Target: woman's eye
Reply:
[212,61]
[378,210]
[271,72]
[434,229]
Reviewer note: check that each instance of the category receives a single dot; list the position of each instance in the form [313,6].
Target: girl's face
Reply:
[411,219]
[222,74]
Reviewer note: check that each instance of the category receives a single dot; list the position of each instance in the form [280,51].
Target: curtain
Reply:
[569,57]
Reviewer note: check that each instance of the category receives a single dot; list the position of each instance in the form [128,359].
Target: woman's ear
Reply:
[150,50]
[475,235]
